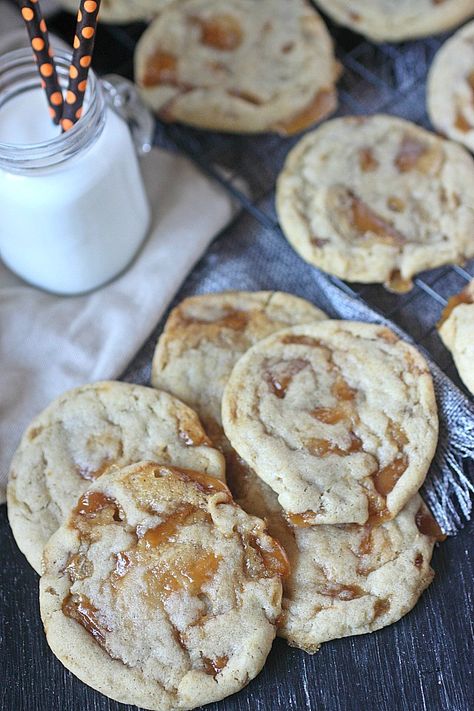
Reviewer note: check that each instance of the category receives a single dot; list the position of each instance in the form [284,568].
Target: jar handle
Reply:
[123,97]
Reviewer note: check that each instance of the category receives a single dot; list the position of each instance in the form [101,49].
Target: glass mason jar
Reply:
[73,209]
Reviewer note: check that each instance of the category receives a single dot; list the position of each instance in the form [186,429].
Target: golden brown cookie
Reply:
[456,329]
[83,433]
[345,579]
[397,20]
[123,11]
[338,417]
[205,335]
[159,591]
[450,90]
[377,199]
[239,65]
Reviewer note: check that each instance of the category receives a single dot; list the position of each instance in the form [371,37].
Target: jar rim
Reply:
[18,67]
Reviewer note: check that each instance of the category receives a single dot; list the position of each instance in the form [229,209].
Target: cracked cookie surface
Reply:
[160,591]
[83,433]
[205,336]
[456,329]
[450,91]
[338,417]
[123,11]
[345,579]
[397,20]
[377,199]
[239,65]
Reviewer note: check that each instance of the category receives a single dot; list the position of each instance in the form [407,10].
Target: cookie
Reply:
[346,579]
[82,434]
[123,11]
[450,90]
[456,329]
[160,591]
[205,336]
[243,66]
[338,417]
[377,199]
[397,20]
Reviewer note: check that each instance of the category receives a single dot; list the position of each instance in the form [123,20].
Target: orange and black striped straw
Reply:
[81,60]
[38,32]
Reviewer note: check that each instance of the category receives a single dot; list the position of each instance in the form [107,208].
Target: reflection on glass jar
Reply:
[73,209]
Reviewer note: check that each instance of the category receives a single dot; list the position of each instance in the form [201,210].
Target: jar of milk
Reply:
[73,209]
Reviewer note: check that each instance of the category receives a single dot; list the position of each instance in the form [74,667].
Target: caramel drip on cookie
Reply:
[95,504]
[190,575]
[279,382]
[381,606]
[190,431]
[462,298]
[461,122]
[367,160]
[366,544]
[93,474]
[166,531]
[378,512]
[395,204]
[398,284]
[428,526]
[342,391]
[222,32]
[189,571]
[245,96]
[323,103]
[301,341]
[409,153]
[386,478]
[233,319]
[365,220]
[203,482]
[301,520]
[161,68]
[80,608]
[328,415]
[323,447]
[78,567]
[341,592]
[214,666]
[273,556]
[418,562]
[470,79]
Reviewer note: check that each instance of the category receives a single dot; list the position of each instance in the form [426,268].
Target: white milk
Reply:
[25,119]
[73,226]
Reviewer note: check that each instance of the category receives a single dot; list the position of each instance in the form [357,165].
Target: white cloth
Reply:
[51,343]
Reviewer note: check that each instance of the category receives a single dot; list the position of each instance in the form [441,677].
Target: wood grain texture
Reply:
[422,663]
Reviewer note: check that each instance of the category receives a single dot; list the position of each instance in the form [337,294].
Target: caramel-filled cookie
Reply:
[397,20]
[456,329]
[205,335]
[450,91]
[239,65]
[123,11]
[377,199]
[159,591]
[81,435]
[338,417]
[345,579]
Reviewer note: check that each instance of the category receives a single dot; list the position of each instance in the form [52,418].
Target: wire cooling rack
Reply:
[377,78]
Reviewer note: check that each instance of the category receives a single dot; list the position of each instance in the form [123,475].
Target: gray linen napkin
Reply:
[248,256]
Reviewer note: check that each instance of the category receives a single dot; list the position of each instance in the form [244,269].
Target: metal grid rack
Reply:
[377,78]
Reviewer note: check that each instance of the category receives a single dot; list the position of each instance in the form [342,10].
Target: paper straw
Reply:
[81,59]
[38,33]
